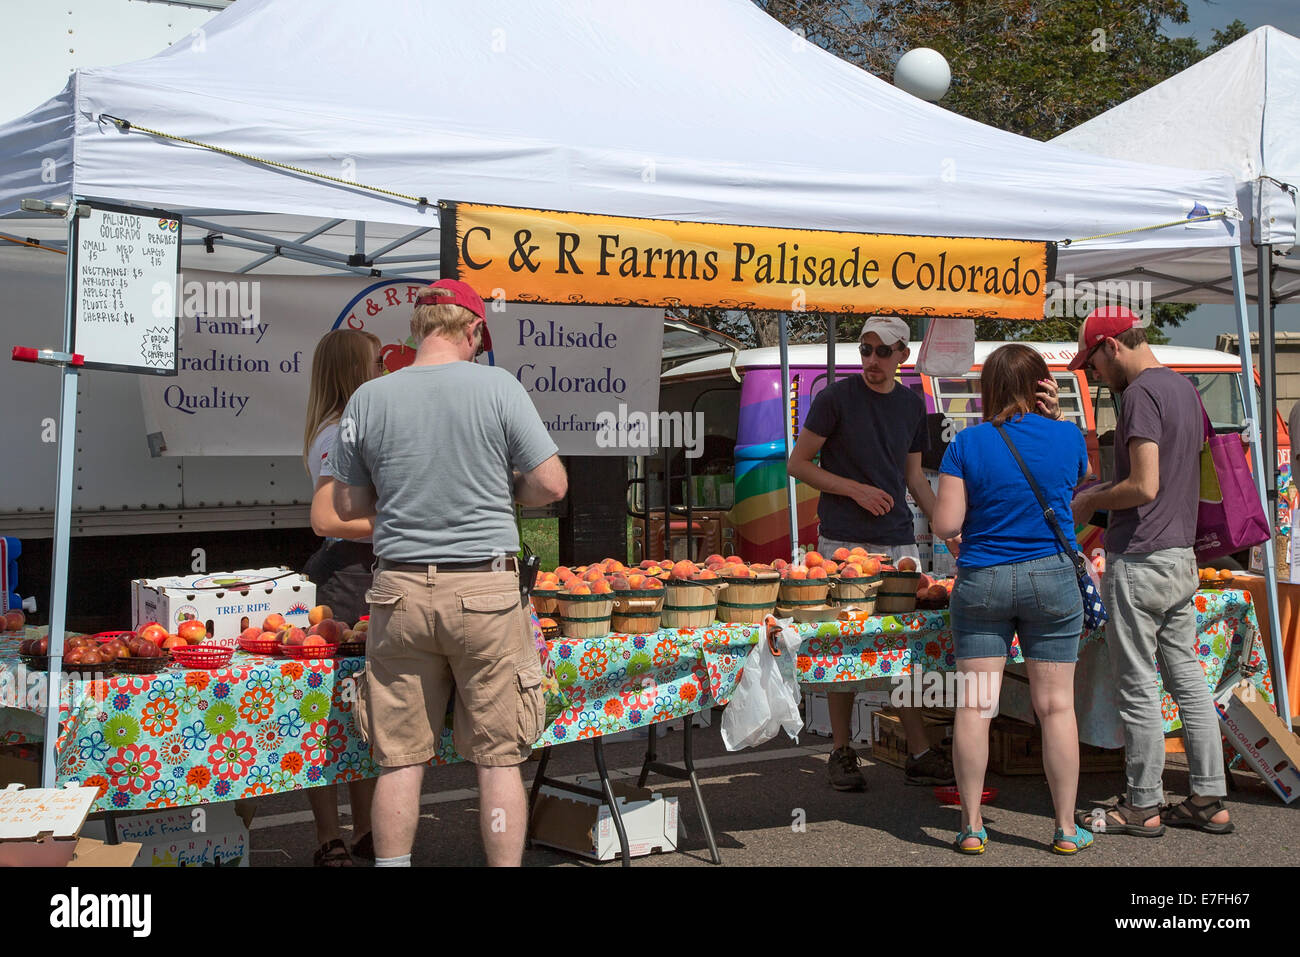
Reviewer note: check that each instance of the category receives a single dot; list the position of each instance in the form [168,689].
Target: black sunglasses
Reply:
[1087,359]
[882,352]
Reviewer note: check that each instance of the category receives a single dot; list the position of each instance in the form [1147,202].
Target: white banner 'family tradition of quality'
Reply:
[246,348]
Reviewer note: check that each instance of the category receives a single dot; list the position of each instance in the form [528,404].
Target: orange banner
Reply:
[537,255]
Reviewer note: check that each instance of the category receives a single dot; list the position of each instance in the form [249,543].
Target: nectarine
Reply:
[273,622]
[319,614]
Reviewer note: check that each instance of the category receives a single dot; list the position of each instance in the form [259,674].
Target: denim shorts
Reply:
[1037,600]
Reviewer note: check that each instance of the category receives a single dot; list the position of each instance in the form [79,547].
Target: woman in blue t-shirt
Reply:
[1013,579]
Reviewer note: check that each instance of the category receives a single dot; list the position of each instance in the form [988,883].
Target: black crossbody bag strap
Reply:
[1048,513]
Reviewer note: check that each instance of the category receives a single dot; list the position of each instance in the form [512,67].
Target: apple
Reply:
[74,656]
[152,631]
[123,651]
[42,646]
[273,623]
[192,630]
[108,651]
[15,620]
[319,614]
[174,641]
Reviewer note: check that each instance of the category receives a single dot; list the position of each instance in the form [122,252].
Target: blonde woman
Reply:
[344,359]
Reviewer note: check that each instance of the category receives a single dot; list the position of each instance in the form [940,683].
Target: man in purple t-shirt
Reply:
[1151,577]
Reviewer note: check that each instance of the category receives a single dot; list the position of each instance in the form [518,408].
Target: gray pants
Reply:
[1149,599]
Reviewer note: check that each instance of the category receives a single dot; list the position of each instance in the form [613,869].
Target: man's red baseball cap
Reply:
[453,292]
[1105,322]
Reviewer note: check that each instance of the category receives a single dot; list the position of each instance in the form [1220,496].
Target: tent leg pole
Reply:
[1276,659]
[791,499]
[1268,376]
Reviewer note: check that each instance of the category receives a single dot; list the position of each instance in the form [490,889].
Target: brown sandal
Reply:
[333,854]
[1121,818]
[1198,816]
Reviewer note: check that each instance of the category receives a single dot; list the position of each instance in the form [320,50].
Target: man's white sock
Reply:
[403,861]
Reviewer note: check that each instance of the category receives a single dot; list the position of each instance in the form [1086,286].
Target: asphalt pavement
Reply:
[771,806]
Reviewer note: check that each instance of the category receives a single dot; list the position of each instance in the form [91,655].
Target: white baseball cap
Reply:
[890,329]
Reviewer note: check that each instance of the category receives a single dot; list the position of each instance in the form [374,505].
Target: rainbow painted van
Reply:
[744,403]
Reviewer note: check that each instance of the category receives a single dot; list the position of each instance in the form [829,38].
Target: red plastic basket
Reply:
[307,651]
[104,637]
[259,646]
[204,657]
[950,795]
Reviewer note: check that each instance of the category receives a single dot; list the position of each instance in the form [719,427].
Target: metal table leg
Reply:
[612,800]
[684,773]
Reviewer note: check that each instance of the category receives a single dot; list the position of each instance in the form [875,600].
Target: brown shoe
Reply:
[842,768]
[930,768]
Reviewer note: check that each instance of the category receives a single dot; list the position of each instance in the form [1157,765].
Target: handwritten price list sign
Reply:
[124,290]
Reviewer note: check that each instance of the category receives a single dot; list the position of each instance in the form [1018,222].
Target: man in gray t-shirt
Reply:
[439,452]
[1151,577]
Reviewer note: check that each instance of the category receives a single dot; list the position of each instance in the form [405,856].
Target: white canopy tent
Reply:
[1238,110]
[294,135]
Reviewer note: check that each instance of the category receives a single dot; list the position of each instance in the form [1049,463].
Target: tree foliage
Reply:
[1032,67]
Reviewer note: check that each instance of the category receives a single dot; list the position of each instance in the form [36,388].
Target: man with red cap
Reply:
[1151,578]
[439,452]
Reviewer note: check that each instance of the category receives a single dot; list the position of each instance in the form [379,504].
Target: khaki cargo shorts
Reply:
[432,633]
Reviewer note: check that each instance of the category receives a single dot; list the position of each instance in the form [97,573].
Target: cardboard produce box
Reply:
[1259,736]
[583,825]
[227,602]
[20,764]
[890,741]
[180,837]
[1017,748]
[817,715]
[40,827]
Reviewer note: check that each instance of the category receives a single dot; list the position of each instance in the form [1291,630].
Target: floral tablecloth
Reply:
[268,725]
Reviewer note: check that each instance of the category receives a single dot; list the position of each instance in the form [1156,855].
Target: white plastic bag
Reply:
[766,698]
[948,349]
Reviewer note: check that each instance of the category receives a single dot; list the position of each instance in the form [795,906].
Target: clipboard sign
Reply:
[125,266]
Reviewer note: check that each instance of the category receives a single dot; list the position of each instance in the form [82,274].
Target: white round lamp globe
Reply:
[924,73]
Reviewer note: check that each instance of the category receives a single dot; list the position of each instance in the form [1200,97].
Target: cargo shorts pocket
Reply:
[490,624]
[387,621]
[532,706]
[360,703]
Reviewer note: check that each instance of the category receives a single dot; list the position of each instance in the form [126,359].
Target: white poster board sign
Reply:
[246,352]
[124,271]
[591,371]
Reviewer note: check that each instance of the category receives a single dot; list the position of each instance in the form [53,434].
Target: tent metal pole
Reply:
[1277,661]
[788,432]
[1267,376]
[831,322]
[323,228]
[359,246]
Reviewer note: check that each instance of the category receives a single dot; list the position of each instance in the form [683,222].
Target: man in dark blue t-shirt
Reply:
[871,432]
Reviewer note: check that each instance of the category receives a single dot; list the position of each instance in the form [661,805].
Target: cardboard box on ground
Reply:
[208,835]
[1259,736]
[584,826]
[228,602]
[40,827]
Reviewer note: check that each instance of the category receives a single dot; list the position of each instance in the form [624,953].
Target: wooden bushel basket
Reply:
[584,616]
[804,592]
[897,592]
[749,600]
[636,612]
[690,604]
[859,592]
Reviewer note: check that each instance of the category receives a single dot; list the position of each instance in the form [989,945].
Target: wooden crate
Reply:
[1017,748]
[889,742]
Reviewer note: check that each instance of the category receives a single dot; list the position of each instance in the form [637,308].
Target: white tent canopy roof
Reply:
[1238,110]
[700,110]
